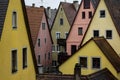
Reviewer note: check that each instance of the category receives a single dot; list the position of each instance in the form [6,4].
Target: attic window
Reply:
[43,26]
[14,20]
[61,21]
[102,13]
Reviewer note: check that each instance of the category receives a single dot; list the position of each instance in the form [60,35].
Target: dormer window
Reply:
[14,20]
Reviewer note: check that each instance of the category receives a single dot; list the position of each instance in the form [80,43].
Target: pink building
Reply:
[41,37]
[80,25]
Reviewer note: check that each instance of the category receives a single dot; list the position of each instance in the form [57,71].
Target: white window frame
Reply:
[57,36]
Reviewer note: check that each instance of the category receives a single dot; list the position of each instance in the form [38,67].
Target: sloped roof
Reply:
[3,10]
[114,9]
[35,15]
[109,52]
[103,74]
[29,35]
[70,11]
[95,3]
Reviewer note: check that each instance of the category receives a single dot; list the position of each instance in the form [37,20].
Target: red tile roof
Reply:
[35,15]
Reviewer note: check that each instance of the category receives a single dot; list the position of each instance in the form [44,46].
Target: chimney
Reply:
[77,71]
[76,5]
[49,12]
[33,5]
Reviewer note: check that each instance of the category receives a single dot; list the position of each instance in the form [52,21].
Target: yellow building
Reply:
[16,59]
[95,55]
[106,23]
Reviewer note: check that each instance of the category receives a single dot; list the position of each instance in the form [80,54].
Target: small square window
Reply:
[90,14]
[102,13]
[24,57]
[54,63]
[96,63]
[80,31]
[83,62]
[96,33]
[14,61]
[83,15]
[61,21]
[43,26]
[109,34]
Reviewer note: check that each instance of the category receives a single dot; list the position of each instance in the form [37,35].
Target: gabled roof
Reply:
[29,35]
[94,3]
[109,52]
[3,10]
[114,10]
[69,10]
[35,15]
[103,74]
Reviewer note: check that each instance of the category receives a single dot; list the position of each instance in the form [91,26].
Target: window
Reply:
[14,61]
[54,63]
[61,21]
[66,34]
[83,15]
[53,48]
[96,63]
[43,26]
[24,57]
[39,59]
[38,42]
[45,40]
[109,34]
[58,35]
[96,33]
[14,20]
[58,48]
[102,13]
[86,4]
[90,14]
[83,62]
[80,31]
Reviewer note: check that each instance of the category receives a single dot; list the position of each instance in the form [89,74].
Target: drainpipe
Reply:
[77,71]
